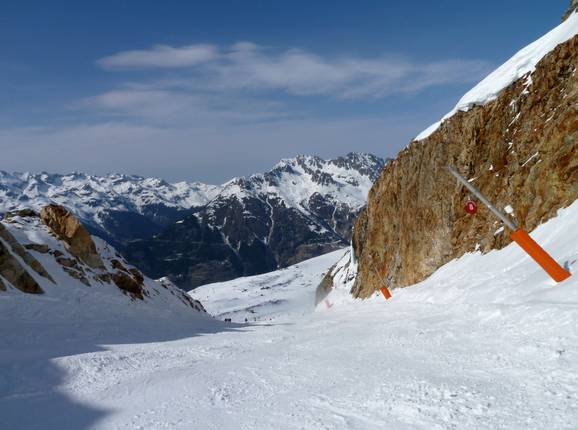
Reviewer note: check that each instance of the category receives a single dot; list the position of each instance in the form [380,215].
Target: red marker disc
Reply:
[471,207]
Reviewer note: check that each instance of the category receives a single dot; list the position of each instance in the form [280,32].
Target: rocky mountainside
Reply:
[52,254]
[198,233]
[302,208]
[515,135]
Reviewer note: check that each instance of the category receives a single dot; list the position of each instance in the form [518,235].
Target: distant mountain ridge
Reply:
[116,207]
[197,233]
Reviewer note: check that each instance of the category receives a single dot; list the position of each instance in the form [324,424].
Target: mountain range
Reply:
[196,233]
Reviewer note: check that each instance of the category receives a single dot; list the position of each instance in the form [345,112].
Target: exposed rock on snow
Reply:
[520,65]
[414,221]
[12,270]
[54,254]
[68,229]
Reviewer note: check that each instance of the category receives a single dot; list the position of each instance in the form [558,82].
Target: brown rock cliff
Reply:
[68,229]
[523,149]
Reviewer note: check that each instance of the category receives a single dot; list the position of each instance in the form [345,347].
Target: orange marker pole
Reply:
[518,235]
[522,238]
[385,293]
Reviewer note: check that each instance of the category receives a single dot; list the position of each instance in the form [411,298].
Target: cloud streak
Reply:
[160,56]
[247,67]
[209,112]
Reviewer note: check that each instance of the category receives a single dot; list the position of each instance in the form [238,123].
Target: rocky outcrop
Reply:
[21,252]
[573,7]
[521,149]
[68,229]
[53,255]
[12,270]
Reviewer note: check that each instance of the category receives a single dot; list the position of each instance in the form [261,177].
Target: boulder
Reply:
[75,236]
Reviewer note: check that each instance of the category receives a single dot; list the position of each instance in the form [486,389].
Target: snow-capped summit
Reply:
[294,181]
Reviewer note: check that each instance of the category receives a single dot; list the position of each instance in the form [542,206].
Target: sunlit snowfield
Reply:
[487,342]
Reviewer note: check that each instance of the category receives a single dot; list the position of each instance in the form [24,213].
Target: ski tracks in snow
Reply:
[449,368]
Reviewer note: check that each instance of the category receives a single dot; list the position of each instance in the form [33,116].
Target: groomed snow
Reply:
[523,62]
[487,342]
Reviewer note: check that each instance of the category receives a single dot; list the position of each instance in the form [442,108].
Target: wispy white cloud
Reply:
[161,106]
[163,56]
[248,67]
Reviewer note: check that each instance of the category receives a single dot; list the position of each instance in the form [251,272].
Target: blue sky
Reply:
[190,90]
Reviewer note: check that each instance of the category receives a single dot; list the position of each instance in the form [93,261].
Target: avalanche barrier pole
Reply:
[518,235]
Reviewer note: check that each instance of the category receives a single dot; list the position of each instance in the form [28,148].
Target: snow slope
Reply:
[522,63]
[487,342]
[285,294]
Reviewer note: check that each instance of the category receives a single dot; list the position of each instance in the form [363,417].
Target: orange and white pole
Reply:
[519,235]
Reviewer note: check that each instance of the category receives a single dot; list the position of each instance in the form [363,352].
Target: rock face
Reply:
[573,7]
[14,272]
[302,208]
[53,254]
[521,149]
[68,229]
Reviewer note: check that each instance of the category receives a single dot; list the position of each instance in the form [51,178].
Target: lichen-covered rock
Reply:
[68,229]
[522,148]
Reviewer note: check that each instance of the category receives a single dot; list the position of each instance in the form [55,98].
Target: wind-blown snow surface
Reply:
[520,64]
[487,342]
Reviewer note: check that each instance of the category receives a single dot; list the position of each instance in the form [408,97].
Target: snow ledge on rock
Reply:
[520,64]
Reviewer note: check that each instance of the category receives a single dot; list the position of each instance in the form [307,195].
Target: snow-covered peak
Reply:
[519,65]
[294,180]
